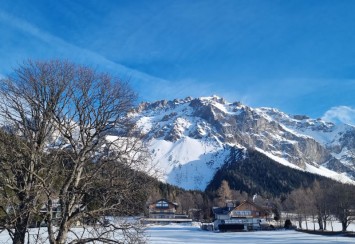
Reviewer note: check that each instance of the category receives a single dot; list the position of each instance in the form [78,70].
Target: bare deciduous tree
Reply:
[300,202]
[321,203]
[75,149]
[185,201]
[343,203]
[28,99]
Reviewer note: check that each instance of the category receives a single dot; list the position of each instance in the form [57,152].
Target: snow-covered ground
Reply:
[175,233]
[193,234]
[336,226]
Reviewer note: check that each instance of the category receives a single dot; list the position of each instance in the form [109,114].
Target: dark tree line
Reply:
[258,174]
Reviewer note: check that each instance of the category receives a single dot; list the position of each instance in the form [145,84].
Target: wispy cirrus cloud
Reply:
[61,44]
[340,114]
[148,86]
[84,55]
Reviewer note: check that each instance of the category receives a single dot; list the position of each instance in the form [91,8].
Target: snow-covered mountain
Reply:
[191,138]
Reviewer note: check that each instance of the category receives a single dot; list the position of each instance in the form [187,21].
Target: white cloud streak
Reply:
[70,48]
[340,114]
[148,87]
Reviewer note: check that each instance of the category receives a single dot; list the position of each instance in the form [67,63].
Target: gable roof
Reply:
[224,210]
[251,203]
[165,200]
[227,210]
[257,207]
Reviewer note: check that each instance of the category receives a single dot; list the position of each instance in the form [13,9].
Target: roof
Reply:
[251,203]
[227,210]
[224,210]
[165,200]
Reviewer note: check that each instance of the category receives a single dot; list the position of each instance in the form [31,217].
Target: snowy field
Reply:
[193,234]
[174,233]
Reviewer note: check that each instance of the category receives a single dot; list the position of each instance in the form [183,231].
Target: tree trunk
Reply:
[21,220]
[63,233]
[320,223]
[344,226]
[20,233]
[300,223]
[325,224]
[331,224]
[314,225]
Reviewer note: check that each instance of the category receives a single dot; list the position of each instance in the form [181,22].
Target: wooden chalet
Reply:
[246,216]
[164,211]
[248,209]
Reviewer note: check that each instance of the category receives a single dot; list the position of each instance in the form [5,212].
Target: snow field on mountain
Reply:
[279,159]
[341,177]
[188,163]
[310,168]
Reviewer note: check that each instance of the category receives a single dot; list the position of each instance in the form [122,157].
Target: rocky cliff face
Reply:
[336,140]
[191,138]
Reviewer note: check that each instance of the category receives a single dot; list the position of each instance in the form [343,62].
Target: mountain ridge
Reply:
[191,138]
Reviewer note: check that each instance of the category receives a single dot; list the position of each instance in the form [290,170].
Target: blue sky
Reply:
[295,55]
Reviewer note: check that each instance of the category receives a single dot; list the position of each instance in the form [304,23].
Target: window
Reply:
[162,204]
[242,213]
